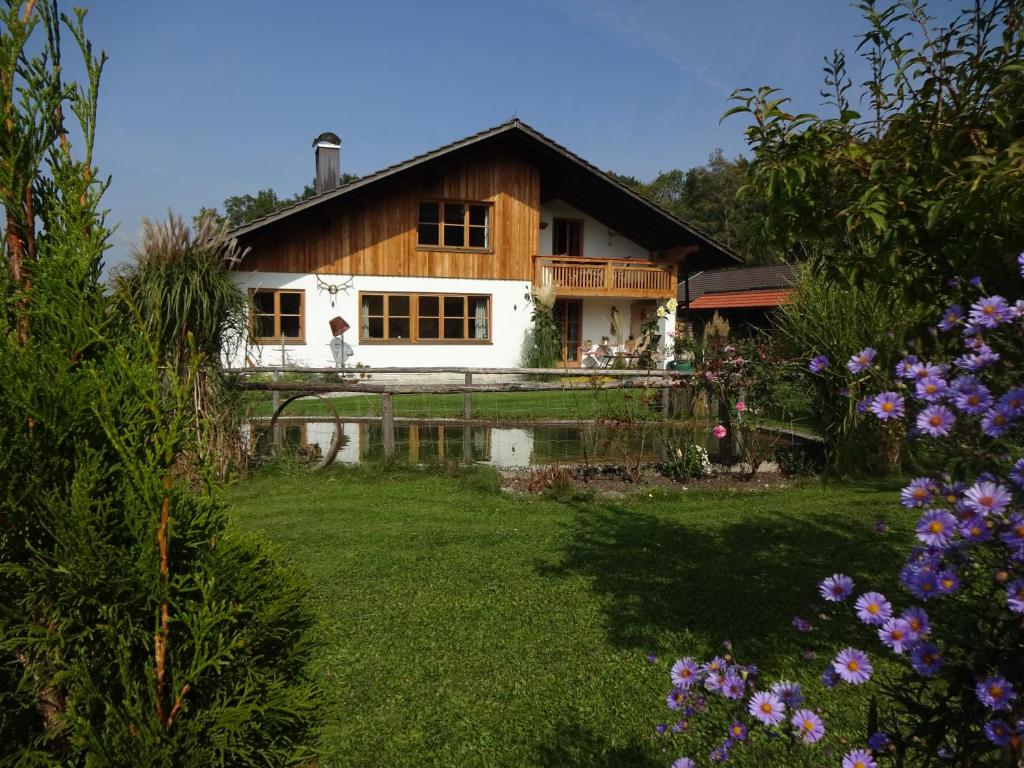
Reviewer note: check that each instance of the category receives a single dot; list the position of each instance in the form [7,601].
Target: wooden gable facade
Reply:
[375,232]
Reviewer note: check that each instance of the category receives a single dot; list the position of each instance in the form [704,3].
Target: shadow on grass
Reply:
[576,746]
[741,580]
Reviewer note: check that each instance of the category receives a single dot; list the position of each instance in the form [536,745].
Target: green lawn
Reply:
[499,406]
[463,626]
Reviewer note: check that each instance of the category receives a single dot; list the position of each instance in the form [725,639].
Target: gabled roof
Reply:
[720,281]
[612,196]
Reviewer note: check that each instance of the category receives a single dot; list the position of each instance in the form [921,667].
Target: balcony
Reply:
[633,278]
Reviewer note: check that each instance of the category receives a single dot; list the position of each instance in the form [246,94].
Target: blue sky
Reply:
[202,100]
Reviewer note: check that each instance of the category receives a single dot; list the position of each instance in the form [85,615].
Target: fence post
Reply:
[387,422]
[467,400]
[666,399]
[275,403]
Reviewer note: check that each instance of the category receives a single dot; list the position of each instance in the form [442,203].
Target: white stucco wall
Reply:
[599,240]
[510,318]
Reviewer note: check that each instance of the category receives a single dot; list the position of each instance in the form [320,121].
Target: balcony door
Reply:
[567,237]
[569,317]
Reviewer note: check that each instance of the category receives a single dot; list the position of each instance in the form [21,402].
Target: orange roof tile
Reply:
[740,299]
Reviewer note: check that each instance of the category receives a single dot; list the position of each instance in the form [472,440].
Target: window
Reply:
[567,237]
[457,226]
[424,317]
[278,315]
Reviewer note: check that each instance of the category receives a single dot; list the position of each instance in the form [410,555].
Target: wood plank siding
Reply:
[374,232]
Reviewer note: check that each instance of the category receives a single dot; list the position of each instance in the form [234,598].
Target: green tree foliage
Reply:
[931,175]
[136,627]
[711,197]
[241,209]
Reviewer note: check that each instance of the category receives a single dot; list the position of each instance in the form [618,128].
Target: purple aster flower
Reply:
[684,762]
[948,582]
[720,754]
[935,420]
[652,658]
[975,529]
[888,405]
[836,587]
[717,664]
[1015,595]
[767,708]
[1016,475]
[1020,263]
[880,742]
[951,318]
[997,420]
[917,622]
[862,360]
[904,368]
[676,699]
[807,725]
[1014,400]
[661,728]
[931,389]
[927,370]
[859,758]
[923,583]
[801,625]
[789,693]
[987,498]
[989,312]
[976,362]
[738,731]
[919,493]
[974,401]
[684,673]
[733,686]
[998,732]
[926,659]
[873,608]
[995,693]
[681,726]
[896,634]
[1013,536]
[853,666]
[936,527]
[829,678]
[818,364]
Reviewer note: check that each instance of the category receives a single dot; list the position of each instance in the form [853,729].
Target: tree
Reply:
[929,185]
[136,627]
[711,197]
[241,209]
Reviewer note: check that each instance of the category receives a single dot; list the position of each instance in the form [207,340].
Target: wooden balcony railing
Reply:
[573,276]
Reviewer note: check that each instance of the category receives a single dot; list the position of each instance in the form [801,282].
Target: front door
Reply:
[569,317]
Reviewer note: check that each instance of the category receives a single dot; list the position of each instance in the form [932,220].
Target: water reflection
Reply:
[499,446]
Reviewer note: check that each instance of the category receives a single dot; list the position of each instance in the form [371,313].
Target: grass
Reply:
[462,626]
[584,405]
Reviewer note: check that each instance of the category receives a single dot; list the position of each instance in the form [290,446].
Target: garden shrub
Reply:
[946,658]
[136,626]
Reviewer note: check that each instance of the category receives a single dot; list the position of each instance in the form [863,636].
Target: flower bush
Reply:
[944,658]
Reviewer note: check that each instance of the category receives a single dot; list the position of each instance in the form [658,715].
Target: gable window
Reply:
[454,225]
[278,315]
[567,237]
[424,317]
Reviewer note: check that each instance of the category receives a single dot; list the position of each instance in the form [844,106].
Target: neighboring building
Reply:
[431,262]
[744,296]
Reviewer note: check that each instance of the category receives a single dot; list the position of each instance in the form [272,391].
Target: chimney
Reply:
[328,153]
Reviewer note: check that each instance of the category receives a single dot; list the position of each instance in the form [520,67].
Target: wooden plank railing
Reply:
[605,277]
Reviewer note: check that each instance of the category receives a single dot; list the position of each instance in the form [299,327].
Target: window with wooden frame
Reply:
[459,226]
[278,315]
[567,237]
[424,317]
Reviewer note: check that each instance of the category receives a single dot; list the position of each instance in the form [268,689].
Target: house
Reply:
[744,296]
[432,262]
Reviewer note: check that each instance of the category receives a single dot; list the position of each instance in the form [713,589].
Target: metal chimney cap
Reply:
[329,138]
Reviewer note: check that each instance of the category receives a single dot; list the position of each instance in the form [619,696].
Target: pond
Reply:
[503,446]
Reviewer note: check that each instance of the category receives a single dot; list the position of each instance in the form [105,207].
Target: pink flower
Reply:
[719,432]
[741,406]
